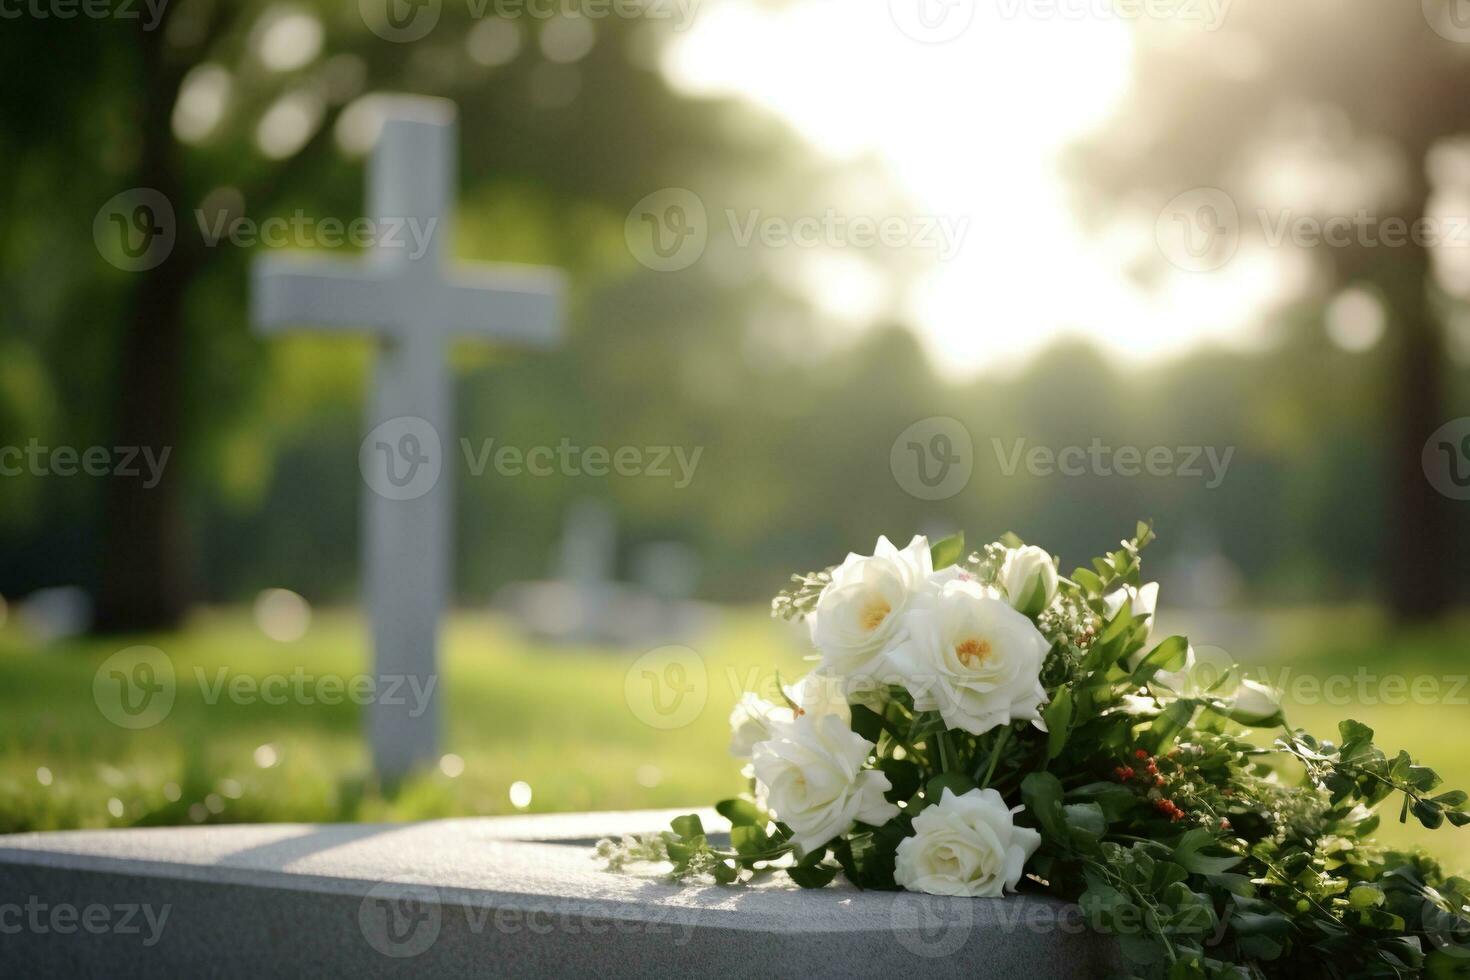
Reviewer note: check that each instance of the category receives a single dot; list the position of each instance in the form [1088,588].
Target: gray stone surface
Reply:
[506,897]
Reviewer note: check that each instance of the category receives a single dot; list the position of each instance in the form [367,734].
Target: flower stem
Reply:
[942,741]
[1000,742]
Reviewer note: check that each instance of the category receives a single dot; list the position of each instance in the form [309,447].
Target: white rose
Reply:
[812,778]
[859,616]
[1029,577]
[965,845]
[1142,601]
[754,720]
[973,658]
[819,694]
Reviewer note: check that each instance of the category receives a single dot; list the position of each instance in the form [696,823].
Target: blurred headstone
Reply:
[586,605]
[55,614]
[416,303]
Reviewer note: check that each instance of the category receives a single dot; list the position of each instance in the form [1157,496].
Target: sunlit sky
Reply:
[972,128]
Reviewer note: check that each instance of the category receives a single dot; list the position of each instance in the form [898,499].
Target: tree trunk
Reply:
[1419,575]
[144,568]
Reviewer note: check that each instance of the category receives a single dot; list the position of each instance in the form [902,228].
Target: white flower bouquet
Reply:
[979,723]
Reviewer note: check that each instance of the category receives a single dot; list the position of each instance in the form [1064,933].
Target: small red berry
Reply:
[1141,753]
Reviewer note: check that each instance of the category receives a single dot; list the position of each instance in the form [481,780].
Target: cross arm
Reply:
[321,292]
[516,304]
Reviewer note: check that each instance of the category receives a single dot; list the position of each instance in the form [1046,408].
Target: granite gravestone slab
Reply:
[502,897]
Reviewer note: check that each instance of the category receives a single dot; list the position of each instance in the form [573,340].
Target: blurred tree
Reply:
[228,110]
[1300,112]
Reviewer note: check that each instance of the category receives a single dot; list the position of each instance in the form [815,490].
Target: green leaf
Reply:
[1428,813]
[1167,656]
[688,826]
[1086,822]
[1058,718]
[904,778]
[741,813]
[748,839]
[867,722]
[1170,722]
[948,551]
[809,872]
[1187,853]
[1042,794]
[1088,581]
[1116,800]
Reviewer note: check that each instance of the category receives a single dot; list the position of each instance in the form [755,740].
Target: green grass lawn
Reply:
[557,719]
[561,720]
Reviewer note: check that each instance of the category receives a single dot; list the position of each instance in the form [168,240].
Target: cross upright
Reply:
[407,293]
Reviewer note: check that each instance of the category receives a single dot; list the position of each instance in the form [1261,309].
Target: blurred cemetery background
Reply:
[1054,174]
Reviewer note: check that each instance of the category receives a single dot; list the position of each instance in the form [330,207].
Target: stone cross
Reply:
[409,296]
